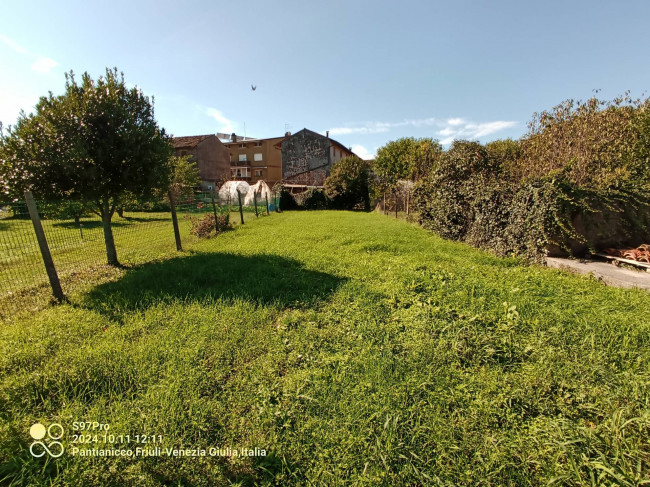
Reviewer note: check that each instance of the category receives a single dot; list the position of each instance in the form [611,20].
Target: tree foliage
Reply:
[579,180]
[348,185]
[98,143]
[406,158]
[185,176]
[314,199]
[596,144]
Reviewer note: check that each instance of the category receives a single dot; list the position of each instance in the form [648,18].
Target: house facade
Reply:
[307,158]
[252,160]
[210,154]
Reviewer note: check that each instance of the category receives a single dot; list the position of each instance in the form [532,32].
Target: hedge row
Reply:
[470,197]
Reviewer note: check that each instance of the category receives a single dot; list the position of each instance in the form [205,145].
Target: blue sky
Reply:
[368,72]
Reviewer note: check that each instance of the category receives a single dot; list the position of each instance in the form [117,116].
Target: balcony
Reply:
[240,163]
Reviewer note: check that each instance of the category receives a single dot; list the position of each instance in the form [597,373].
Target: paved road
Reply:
[608,273]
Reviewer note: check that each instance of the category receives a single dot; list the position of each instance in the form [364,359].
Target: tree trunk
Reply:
[111,253]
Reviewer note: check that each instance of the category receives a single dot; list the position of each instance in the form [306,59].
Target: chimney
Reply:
[287,134]
[327,134]
[233,137]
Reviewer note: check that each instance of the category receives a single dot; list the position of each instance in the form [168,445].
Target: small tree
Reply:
[98,143]
[348,184]
[185,176]
[406,158]
[394,162]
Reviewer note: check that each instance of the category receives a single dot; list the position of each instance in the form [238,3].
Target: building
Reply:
[210,154]
[255,159]
[307,158]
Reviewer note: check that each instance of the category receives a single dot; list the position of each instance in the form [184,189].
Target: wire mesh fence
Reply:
[75,236]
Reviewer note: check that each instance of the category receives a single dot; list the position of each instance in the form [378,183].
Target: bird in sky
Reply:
[253,87]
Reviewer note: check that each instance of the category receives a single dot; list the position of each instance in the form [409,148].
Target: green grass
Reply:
[354,348]
[79,254]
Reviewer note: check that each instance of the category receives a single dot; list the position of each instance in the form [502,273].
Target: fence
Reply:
[75,237]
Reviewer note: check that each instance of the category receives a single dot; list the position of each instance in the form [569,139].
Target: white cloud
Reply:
[227,125]
[381,127]
[468,130]
[44,65]
[455,121]
[363,153]
[13,44]
[450,129]
[370,129]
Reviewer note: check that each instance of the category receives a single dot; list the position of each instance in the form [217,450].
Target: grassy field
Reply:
[79,252]
[355,349]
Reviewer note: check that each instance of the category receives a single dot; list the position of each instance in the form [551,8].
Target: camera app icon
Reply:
[50,445]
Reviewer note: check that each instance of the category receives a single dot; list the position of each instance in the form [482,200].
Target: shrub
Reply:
[445,198]
[205,227]
[64,210]
[287,201]
[578,181]
[314,199]
[348,185]
[594,144]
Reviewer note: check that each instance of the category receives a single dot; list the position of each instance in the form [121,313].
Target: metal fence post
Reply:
[241,210]
[45,250]
[177,233]
[255,202]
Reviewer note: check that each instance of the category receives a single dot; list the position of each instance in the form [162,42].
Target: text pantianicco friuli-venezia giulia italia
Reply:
[168,452]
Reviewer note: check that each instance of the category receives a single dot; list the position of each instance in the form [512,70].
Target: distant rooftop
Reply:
[189,142]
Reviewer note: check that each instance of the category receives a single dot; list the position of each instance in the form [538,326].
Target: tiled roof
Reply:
[189,142]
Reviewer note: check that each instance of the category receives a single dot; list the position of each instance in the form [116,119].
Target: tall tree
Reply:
[97,143]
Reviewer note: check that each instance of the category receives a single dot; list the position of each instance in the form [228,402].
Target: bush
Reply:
[64,210]
[151,206]
[287,201]
[205,227]
[578,181]
[595,144]
[314,199]
[446,197]
[348,185]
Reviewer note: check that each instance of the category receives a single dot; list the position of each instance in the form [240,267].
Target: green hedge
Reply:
[469,197]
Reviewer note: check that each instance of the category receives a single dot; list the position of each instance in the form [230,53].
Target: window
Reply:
[258,144]
[258,173]
[258,156]
[242,158]
[240,172]
[242,146]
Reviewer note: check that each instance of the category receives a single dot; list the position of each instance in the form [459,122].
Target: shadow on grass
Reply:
[260,279]
[116,223]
